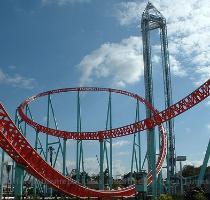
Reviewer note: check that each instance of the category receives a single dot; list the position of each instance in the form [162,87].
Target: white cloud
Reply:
[208,126]
[188,130]
[92,167]
[2,76]
[122,153]
[196,163]
[119,168]
[176,67]
[204,72]
[188,33]
[63,2]
[129,13]
[121,143]
[16,80]
[12,67]
[120,62]
[208,103]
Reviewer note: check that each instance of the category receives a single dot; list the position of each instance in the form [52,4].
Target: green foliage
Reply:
[190,170]
[165,197]
[199,196]
[178,197]
[195,193]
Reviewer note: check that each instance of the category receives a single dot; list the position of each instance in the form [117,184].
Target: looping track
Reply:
[181,106]
[17,147]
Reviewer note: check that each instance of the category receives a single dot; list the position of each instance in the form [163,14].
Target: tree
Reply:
[190,170]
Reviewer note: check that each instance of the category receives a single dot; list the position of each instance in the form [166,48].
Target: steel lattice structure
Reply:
[21,151]
[35,163]
[17,147]
[152,19]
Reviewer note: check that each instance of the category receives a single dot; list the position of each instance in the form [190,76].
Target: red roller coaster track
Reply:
[181,106]
[18,148]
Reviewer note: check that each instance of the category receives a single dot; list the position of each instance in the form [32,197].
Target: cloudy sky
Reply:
[48,44]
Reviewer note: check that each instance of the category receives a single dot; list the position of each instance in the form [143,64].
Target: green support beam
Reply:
[43,150]
[47,138]
[19,170]
[64,157]
[204,166]
[19,174]
[151,145]
[101,163]
[79,147]
[110,142]
[152,19]
[104,150]
[2,174]
[136,150]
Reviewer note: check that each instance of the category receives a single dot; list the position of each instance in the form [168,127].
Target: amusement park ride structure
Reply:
[152,19]
[16,146]
[33,162]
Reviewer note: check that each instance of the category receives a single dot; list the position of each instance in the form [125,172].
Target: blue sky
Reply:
[48,44]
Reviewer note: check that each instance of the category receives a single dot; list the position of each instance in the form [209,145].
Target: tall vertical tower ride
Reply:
[152,19]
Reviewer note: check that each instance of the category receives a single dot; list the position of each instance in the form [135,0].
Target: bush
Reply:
[165,197]
[199,196]
[195,193]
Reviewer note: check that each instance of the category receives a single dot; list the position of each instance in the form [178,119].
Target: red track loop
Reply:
[186,103]
[18,148]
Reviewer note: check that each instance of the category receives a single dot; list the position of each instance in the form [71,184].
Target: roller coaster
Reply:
[17,147]
[13,138]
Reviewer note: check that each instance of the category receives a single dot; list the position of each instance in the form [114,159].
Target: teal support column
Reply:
[160,176]
[136,151]
[181,178]
[110,142]
[19,170]
[2,174]
[83,169]
[152,19]
[204,165]
[151,145]
[79,148]
[19,175]
[64,157]
[47,138]
[152,159]
[133,154]
[101,163]
[78,141]
[34,179]
[168,102]
[110,167]
[12,176]
[139,143]
[160,184]
[108,159]
[77,162]
[48,125]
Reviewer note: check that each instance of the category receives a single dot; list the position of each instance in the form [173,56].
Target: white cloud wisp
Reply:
[16,80]
[121,62]
[188,33]
[63,2]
